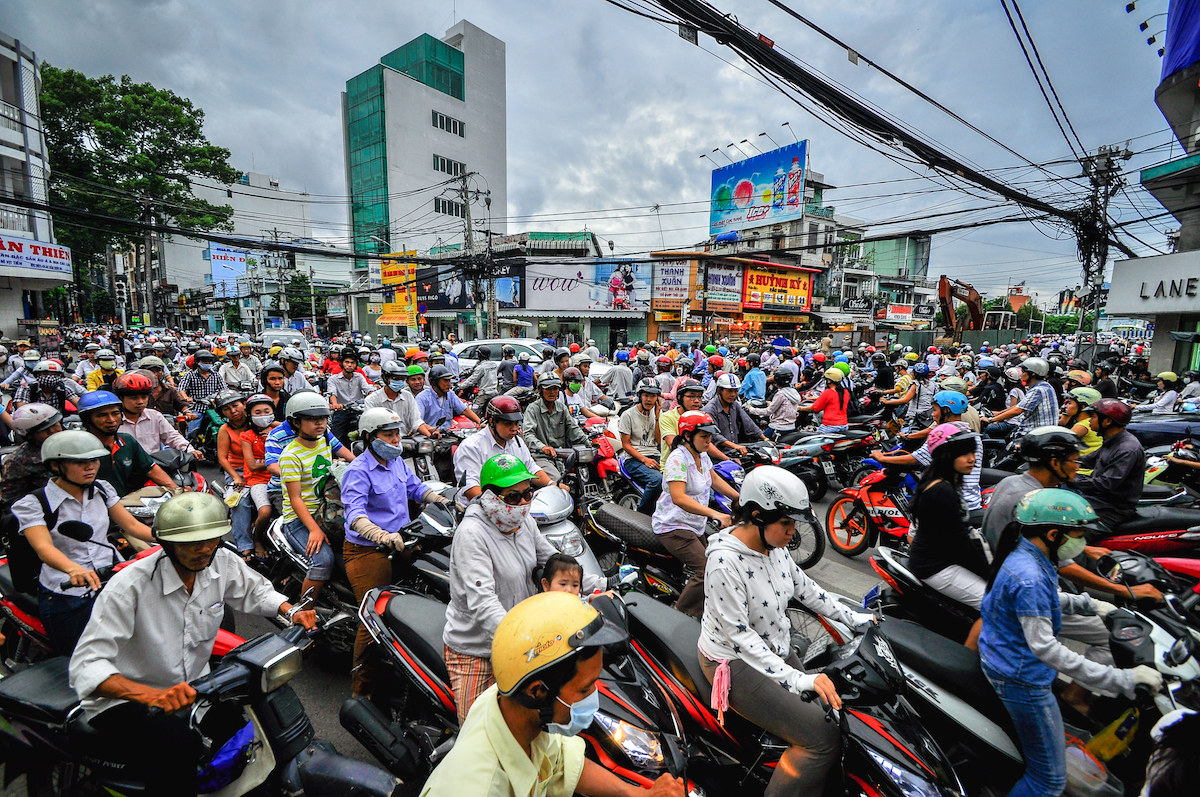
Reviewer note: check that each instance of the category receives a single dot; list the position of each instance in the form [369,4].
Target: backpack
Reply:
[331,513]
[24,565]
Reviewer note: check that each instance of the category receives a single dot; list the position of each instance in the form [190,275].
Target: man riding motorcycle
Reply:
[548,425]
[1118,466]
[483,376]
[394,396]
[149,427]
[502,436]
[127,466]
[641,438]
[734,424]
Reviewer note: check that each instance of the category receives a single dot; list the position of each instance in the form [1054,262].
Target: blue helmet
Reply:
[921,371]
[724,350]
[841,358]
[950,400]
[95,400]
[622,356]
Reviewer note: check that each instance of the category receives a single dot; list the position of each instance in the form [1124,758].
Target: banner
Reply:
[924,311]
[672,283]
[439,288]
[857,305]
[899,312]
[724,288]
[777,289]
[588,286]
[764,189]
[401,310]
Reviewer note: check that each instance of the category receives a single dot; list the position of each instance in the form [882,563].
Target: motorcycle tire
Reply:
[630,501]
[807,545]
[847,472]
[861,473]
[847,527]
[816,483]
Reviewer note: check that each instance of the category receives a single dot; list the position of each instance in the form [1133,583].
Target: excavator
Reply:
[948,291]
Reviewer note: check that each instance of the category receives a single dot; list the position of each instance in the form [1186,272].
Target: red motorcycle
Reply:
[1158,530]
[871,513]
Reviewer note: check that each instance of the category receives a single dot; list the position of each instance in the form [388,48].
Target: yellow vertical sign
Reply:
[402,310]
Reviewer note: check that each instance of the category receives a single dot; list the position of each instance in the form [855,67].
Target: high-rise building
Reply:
[428,112]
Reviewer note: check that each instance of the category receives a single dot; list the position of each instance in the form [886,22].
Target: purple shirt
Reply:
[374,490]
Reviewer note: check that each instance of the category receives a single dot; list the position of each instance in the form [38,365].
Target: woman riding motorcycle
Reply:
[1078,416]
[834,401]
[745,635]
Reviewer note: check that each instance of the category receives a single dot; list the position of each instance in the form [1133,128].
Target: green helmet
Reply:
[415,370]
[1085,396]
[955,383]
[192,517]
[1055,508]
[503,470]
[710,349]
[843,367]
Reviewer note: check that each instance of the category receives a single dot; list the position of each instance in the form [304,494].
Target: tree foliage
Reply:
[299,297]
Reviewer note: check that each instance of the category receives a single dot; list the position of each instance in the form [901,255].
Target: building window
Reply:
[814,231]
[450,167]
[449,124]
[448,207]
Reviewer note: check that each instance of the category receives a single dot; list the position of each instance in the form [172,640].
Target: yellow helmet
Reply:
[1168,376]
[545,630]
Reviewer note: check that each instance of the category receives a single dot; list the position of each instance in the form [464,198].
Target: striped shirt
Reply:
[970,487]
[1041,408]
[278,440]
[309,467]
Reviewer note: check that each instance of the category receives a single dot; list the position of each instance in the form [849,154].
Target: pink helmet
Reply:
[943,433]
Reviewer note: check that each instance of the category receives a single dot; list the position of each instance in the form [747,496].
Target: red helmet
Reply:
[574,348]
[716,361]
[132,384]
[504,408]
[665,360]
[1117,411]
[932,349]
[870,350]
[696,421]
[819,357]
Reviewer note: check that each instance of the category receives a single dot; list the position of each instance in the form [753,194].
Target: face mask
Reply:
[504,517]
[49,381]
[386,451]
[205,367]
[575,386]
[396,385]
[262,421]
[108,365]
[1071,547]
[374,359]
[581,715]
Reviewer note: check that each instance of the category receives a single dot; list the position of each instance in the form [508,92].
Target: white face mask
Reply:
[262,421]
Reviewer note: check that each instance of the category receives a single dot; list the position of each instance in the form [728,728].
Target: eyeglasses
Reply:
[513,499]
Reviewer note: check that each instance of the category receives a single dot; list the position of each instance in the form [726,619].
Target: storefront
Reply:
[696,297]
[776,299]
[1164,290]
[28,267]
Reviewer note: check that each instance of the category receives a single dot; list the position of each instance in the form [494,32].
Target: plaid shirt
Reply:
[1041,408]
[199,386]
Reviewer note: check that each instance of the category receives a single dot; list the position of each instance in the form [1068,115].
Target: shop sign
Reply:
[672,283]
[597,285]
[440,288]
[777,289]
[857,304]
[924,311]
[670,316]
[1150,285]
[774,318]
[899,312]
[399,280]
[724,288]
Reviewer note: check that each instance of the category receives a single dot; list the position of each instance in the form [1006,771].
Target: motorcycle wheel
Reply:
[810,637]
[816,483]
[808,544]
[630,501]
[861,473]
[847,527]
[62,778]
[847,473]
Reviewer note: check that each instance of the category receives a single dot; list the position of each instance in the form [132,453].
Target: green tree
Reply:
[233,317]
[101,305]
[299,297]
[117,145]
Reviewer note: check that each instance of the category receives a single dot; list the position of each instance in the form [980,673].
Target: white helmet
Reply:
[591,342]
[36,417]
[774,493]
[292,354]
[728,382]
[1036,365]
[377,419]
[74,445]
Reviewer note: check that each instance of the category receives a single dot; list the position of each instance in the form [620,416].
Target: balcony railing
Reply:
[14,219]
[10,116]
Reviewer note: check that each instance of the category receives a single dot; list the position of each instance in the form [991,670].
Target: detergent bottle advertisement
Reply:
[765,189]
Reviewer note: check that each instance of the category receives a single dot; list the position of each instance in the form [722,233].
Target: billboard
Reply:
[778,289]
[399,285]
[902,313]
[443,288]
[765,189]
[35,258]
[611,284]
[724,288]
[672,283]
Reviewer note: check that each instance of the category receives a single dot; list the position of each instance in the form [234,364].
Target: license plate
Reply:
[871,597]
[827,466]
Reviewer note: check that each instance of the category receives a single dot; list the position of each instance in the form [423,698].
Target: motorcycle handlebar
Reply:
[105,574]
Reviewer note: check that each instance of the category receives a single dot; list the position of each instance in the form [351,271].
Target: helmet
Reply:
[73,444]
[691,385]
[574,348]
[259,398]
[103,354]
[549,380]
[307,404]
[1013,374]
[227,397]
[591,342]
[729,382]
[503,470]
[572,375]
[666,362]
[723,350]
[921,371]
[951,400]
[35,417]
[952,439]
[291,354]
[377,419]
[1085,397]
[995,372]
[643,356]
[1055,508]
[504,408]
[205,356]
[840,358]
[1044,443]
[782,377]
[716,361]
[1036,365]
[776,493]
[1117,411]
[152,362]
[696,421]
[932,349]
[686,363]
[90,402]
[1166,376]
[710,349]
[753,360]
[843,366]
[91,347]
[132,384]
[622,356]
[522,357]
[835,375]
[439,372]
[561,351]
[911,357]
[955,383]
[192,517]
[1082,377]
[483,353]
[392,368]
[541,635]
[818,357]
[648,385]
[267,369]
[507,351]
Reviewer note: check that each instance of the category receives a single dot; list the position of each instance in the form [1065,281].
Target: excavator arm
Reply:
[948,291]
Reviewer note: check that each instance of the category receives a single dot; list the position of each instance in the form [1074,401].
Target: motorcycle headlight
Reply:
[570,543]
[909,783]
[281,669]
[739,476]
[644,748]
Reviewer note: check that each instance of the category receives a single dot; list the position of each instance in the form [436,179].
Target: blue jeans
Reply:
[193,426]
[998,430]
[1039,725]
[64,617]
[320,564]
[242,519]
[649,479]
[826,429]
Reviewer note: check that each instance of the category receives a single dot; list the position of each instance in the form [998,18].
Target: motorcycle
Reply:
[180,466]
[47,736]
[636,734]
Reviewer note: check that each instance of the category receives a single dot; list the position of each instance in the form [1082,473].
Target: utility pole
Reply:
[704,307]
[472,271]
[279,264]
[1092,229]
[312,292]
[148,218]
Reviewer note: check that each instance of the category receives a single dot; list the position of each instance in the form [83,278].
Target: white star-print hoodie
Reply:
[746,594]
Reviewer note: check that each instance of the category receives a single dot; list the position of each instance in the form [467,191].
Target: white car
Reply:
[286,337]
[465,352]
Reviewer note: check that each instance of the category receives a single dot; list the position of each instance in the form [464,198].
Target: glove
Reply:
[1103,608]
[395,541]
[1147,676]
[861,619]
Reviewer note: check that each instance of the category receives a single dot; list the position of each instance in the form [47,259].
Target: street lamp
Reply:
[760,135]
[1154,38]
[1146,24]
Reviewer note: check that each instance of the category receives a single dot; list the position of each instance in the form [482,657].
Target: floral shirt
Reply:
[680,466]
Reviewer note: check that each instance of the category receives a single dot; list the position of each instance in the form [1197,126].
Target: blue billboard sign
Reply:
[765,189]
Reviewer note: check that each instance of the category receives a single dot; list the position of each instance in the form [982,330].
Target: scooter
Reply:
[636,734]
[46,734]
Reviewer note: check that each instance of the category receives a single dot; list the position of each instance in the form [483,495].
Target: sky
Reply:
[609,113]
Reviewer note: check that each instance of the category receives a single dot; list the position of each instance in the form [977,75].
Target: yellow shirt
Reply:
[95,379]
[487,761]
[668,424]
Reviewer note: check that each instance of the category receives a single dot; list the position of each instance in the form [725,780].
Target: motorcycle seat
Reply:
[950,665]
[990,476]
[419,621]
[1160,518]
[40,693]
[22,600]
[855,434]
[853,419]
[670,637]
[636,529]
[1157,492]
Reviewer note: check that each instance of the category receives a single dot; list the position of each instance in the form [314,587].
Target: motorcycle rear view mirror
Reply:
[75,530]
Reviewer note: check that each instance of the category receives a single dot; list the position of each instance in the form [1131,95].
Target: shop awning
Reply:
[1186,337]
[838,318]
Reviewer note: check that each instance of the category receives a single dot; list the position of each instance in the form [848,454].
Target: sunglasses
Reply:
[513,499]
